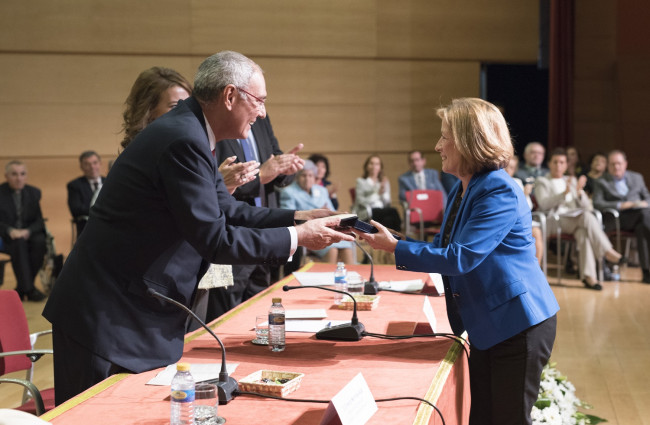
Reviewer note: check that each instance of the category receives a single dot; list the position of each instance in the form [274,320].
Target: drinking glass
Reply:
[262,329]
[206,400]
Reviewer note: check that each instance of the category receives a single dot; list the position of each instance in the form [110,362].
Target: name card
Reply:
[428,311]
[353,405]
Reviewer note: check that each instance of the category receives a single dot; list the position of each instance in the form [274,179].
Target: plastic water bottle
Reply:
[340,281]
[616,274]
[276,325]
[182,397]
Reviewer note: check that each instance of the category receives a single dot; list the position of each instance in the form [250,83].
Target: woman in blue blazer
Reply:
[494,286]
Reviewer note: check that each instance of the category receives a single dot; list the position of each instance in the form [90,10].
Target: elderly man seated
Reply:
[303,192]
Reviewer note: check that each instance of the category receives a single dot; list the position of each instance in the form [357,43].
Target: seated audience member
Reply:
[419,177]
[511,168]
[598,166]
[83,190]
[304,193]
[575,167]
[626,191]
[532,168]
[22,229]
[322,178]
[565,196]
[373,190]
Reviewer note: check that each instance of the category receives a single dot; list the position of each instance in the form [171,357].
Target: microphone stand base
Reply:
[225,389]
[371,288]
[345,332]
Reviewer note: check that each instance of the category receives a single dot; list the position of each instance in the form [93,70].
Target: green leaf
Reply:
[542,403]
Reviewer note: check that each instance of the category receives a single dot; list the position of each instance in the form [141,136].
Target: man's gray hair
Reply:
[11,163]
[221,69]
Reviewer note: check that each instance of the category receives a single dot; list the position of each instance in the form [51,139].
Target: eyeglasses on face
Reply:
[261,102]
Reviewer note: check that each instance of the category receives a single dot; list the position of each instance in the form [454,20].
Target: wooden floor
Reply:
[602,346]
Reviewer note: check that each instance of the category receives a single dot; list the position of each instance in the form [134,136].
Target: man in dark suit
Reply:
[162,216]
[82,190]
[419,177]
[626,192]
[276,169]
[22,229]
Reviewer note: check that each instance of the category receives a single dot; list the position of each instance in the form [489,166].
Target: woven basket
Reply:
[252,382]
[364,302]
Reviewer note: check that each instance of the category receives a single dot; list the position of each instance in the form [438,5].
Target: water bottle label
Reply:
[183,396]
[339,279]
[276,319]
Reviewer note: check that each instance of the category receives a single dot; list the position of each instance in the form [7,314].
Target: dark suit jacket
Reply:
[407,182]
[161,216]
[32,217]
[267,145]
[80,193]
[606,195]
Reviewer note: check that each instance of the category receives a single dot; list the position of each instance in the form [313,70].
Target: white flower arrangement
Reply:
[557,403]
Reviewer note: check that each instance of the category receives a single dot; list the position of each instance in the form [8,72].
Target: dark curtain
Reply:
[561,53]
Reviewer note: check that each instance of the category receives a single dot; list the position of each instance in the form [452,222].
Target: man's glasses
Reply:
[261,102]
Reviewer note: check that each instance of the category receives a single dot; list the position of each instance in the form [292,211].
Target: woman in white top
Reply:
[373,193]
[565,196]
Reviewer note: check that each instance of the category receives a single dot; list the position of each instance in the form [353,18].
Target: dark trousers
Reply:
[248,280]
[27,257]
[76,368]
[637,221]
[504,379]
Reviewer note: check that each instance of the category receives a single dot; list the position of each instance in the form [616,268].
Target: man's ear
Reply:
[229,94]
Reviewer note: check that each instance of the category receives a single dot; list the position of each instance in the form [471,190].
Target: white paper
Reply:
[355,403]
[428,311]
[308,313]
[310,325]
[403,285]
[436,279]
[315,278]
[200,372]
[318,278]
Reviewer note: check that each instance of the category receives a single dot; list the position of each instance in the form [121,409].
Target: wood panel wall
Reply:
[347,78]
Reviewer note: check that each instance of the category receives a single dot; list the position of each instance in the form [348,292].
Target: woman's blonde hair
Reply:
[480,134]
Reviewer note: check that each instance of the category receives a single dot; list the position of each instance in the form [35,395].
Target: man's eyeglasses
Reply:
[261,102]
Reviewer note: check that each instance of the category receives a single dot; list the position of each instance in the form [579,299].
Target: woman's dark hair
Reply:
[316,158]
[144,97]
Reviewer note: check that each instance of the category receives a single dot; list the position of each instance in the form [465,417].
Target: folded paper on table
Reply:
[308,313]
[318,278]
[403,285]
[311,325]
[200,372]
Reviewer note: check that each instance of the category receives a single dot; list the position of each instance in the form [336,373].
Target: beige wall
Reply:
[347,78]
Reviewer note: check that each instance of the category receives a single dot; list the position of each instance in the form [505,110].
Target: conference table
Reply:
[433,368]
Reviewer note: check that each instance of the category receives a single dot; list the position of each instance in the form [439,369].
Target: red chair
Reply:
[425,209]
[17,353]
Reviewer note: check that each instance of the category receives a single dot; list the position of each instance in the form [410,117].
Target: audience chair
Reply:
[17,353]
[425,209]
[617,233]
[569,239]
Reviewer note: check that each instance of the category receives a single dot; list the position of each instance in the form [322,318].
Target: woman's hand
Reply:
[383,239]
[235,175]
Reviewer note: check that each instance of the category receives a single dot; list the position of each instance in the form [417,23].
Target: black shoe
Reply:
[36,295]
[596,286]
[646,276]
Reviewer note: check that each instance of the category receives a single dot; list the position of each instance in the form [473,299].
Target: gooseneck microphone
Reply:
[226,385]
[352,331]
[371,287]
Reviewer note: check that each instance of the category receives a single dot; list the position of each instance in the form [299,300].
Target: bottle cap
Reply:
[277,300]
[183,367]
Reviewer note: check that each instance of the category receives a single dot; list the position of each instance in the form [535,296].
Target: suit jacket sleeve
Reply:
[33,216]
[604,197]
[76,202]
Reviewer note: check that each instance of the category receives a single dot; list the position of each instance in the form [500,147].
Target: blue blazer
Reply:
[407,182]
[490,261]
